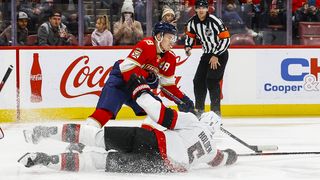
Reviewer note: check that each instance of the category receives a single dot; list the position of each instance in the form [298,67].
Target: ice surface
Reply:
[290,134]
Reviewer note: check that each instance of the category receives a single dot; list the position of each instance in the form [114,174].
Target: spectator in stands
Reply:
[250,13]
[307,13]
[140,9]
[234,22]
[274,12]
[127,31]
[232,19]
[168,16]
[22,31]
[102,36]
[53,32]
[296,4]
[46,8]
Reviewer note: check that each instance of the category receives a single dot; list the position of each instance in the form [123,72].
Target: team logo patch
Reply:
[136,53]
[208,32]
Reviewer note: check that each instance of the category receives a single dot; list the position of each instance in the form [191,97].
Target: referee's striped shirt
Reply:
[212,33]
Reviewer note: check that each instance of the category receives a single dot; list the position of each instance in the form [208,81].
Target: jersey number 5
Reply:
[195,150]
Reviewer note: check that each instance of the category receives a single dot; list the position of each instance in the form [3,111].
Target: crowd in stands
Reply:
[123,22]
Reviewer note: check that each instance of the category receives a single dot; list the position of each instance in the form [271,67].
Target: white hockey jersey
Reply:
[191,141]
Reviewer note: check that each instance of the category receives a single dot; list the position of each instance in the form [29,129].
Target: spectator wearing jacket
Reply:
[53,32]
[102,36]
[22,31]
[127,31]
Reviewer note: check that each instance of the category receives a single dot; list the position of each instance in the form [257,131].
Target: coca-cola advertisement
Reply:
[57,80]
[36,80]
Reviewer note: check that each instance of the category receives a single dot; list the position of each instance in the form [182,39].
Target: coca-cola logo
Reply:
[79,73]
[84,76]
[37,77]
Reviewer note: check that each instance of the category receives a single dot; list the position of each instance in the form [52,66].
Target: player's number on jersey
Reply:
[195,150]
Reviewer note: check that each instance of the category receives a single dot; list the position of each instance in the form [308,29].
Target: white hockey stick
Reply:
[255,148]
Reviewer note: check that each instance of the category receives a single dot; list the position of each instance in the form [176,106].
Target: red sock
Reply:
[102,116]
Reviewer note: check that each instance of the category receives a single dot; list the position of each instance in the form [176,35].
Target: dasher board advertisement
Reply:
[289,75]
[8,94]
[69,78]
[74,78]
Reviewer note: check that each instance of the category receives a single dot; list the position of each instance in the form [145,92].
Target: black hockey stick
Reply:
[6,76]
[1,133]
[255,148]
[278,153]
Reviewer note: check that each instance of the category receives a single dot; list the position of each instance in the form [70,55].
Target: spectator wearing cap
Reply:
[53,32]
[168,16]
[127,31]
[22,31]
[102,36]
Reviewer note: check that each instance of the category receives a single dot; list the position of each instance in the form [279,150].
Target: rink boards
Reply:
[257,82]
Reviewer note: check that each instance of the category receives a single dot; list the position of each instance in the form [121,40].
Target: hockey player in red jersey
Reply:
[151,58]
[185,142]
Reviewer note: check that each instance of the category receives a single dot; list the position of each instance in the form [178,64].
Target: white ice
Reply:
[289,134]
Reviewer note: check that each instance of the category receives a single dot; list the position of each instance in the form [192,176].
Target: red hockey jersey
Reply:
[144,58]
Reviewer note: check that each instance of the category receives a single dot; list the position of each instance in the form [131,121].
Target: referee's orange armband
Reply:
[224,35]
[190,34]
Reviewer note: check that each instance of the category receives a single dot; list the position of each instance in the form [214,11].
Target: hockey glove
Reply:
[152,80]
[187,105]
[137,85]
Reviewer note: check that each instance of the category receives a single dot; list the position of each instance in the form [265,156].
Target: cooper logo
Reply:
[80,74]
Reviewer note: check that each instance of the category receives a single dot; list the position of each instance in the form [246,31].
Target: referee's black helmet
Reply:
[201,3]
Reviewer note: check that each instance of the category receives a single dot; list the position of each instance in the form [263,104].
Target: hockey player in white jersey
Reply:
[184,142]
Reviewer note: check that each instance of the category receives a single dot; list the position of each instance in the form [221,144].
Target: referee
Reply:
[215,40]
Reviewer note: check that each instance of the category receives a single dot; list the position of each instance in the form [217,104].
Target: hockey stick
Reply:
[278,153]
[255,148]
[6,76]
[1,133]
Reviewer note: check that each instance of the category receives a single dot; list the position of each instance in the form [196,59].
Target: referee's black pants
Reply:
[207,78]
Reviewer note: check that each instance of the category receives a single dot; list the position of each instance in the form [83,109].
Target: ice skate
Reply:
[32,159]
[38,132]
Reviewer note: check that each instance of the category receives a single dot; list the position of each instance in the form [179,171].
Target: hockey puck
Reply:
[1,133]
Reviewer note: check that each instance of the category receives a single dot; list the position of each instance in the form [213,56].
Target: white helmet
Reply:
[211,119]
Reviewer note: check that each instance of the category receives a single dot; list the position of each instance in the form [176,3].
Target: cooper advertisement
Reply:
[289,76]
